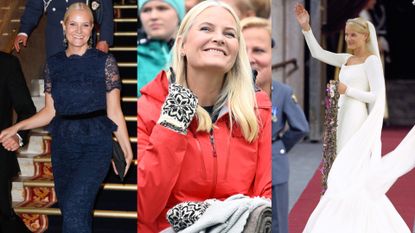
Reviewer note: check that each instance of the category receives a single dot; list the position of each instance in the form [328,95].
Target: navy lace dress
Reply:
[81,131]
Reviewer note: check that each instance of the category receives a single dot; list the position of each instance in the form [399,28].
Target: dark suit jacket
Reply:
[14,94]
[285,110]
[55,12]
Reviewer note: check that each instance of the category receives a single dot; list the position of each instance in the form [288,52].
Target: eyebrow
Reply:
[211,24]
[73,21]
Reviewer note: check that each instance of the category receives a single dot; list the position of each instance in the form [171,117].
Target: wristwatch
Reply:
[20,140]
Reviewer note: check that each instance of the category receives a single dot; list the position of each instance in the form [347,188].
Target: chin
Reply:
[218,67]
[157,35]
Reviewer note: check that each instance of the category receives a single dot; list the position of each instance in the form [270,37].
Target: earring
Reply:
[182,54]
[65,41]
[90,42]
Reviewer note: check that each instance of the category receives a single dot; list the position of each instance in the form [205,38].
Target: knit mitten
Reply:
[185,214]
[178,109]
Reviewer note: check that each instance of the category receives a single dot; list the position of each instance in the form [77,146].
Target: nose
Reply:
[79,29]
[154,14]
[218,38]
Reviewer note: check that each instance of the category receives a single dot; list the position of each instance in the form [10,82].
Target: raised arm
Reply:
[335,59]
[162,145]
[374,72]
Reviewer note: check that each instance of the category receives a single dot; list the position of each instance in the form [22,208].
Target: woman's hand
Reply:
[341,88]
[178,109]
[8,138]
[128,159]
[302,16]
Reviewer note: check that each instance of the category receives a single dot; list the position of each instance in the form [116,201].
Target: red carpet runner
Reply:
[402,193]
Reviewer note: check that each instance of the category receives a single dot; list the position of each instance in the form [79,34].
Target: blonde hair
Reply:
[256,22]
[78,6]
[237,92]
[360,25]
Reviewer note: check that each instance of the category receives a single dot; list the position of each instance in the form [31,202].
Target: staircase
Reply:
[116,205]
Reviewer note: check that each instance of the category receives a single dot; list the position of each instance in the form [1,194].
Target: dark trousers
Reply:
[79,168]
[280,208]
[9,221]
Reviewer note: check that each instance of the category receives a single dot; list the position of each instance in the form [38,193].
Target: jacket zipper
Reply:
[215,163]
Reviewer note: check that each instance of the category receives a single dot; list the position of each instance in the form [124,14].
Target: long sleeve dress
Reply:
[355,200]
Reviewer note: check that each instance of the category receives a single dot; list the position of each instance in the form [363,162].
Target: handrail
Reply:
[286,63]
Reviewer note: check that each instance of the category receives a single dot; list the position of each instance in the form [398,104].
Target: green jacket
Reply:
[152,57]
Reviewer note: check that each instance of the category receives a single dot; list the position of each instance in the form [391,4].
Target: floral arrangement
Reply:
[330,130]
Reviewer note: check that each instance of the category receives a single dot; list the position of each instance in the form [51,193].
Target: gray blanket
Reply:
[231,215]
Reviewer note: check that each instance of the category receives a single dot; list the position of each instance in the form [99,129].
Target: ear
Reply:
[182,49]
[63,25]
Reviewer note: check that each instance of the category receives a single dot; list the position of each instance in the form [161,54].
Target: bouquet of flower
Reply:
[330,130]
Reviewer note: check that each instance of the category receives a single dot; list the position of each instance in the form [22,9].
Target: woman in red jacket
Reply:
[203,130]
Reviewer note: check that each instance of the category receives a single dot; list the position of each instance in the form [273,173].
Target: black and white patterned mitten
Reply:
[185,214]
[178,109]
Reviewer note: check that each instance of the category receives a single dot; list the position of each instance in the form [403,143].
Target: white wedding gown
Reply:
[355,201]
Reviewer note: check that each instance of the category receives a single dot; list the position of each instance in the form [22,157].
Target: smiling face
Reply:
[354,38]
[212,41]
[258,45]
[78,28]
[159,19]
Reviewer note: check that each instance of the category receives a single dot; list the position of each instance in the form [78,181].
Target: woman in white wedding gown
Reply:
[355,201]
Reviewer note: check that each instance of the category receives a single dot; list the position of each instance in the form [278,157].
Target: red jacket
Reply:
[173,168]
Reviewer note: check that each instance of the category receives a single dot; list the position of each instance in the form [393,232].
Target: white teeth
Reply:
[216,51]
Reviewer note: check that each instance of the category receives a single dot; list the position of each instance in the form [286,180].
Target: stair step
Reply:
[129,99]
[96,213]
[49,184]
[126,20]
[125,6]
[125,33]
[132,139]
[119,48]
[127,64]
[130,118]
[47,159]
[129,81]
[121,33]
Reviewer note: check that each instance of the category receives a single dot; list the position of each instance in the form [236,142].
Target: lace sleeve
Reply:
[112,76]
[48,81]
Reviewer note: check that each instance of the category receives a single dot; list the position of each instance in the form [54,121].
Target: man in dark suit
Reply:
[55,10]
[14,94]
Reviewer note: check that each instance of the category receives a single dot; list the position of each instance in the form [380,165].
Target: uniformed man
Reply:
[55,10]
[289,124]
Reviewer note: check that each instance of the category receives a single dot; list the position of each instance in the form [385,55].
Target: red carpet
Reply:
[402,193]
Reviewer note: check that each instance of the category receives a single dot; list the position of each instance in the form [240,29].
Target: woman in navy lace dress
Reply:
[82,105]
